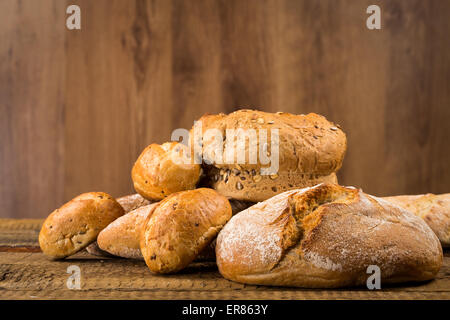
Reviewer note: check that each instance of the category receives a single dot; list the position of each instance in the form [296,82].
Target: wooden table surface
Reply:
[25,273]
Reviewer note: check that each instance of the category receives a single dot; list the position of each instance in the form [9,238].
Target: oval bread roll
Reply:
[181,226]
[326,237]
[122,237]
[433,208]
[76,224]
[164,169]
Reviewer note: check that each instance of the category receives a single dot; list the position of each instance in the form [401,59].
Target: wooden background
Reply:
[77,107]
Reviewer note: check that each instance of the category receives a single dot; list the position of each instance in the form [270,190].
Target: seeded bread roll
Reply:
[181,226]
[326,237]
[434,209]
[76,224]
[310,150]
[164,169]
[121,237]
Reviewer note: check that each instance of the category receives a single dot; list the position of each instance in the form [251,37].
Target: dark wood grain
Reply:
[77,107]
[25,273]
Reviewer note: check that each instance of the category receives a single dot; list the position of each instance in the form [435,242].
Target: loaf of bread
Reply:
[164,169]
[76,224]
[325,237]
[434,209]
[181,227]
[310,150]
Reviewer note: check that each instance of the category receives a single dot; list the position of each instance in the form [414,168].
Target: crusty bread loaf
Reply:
[181,226]
[132,202]
[76,224]
[310,150]
[122,236]
[434,209]
[326,236]
[164,169]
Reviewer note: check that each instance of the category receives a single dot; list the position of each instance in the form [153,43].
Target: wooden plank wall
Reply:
[77,107]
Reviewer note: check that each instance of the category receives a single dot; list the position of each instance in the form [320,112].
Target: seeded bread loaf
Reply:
[76,224]
[310,150]
[434,209]
[164,169]
[181,226]
[326,237]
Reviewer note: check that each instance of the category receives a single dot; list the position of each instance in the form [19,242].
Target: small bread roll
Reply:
[326,237]
[181,226]
[76,224]
[164,169]
[121,238]
[433,208]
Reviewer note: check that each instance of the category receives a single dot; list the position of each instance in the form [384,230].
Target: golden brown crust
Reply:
[434,209]
[164,169]
[76,224]
[247,185]
[122,236]
[307,143]
[132,202]
[326,236]
[181,226]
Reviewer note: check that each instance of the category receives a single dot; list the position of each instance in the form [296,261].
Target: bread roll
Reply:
[76,224]
[121,237]
[164,169]
[181,226]
[310,150]
[434,209]
[326,237]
